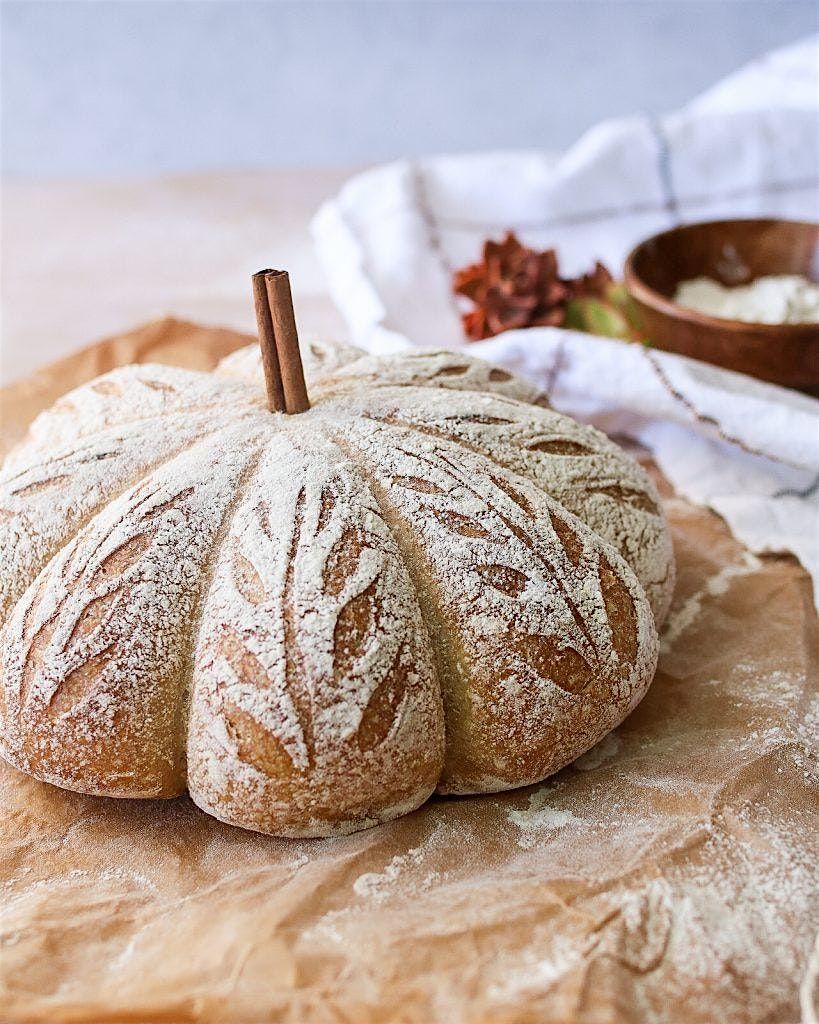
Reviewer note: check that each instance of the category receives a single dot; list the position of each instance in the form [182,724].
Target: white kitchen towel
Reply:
[750,146]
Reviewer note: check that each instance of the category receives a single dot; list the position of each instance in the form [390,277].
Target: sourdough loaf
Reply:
[429,580]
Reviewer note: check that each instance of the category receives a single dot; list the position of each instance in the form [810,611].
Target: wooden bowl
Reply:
[732,252]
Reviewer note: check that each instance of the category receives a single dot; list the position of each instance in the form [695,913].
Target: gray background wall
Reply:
[159,85]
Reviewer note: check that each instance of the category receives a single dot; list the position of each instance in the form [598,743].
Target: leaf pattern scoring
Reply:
[355,620]
[382,707]
[557,662]
[508,581]
[465,526]
[559,446]
[79,683]
[248,581]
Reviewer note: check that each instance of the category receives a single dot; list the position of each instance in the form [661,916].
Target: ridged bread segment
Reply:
[318,358]
[449,371]
[545,638]
[51,497]
[95,656]
[129,395]
[340,369]
[315,706]
[576,465]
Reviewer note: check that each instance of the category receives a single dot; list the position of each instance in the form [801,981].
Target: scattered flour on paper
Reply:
[534,971]
[539,818]
[809,989]
[680,620]
[378,886]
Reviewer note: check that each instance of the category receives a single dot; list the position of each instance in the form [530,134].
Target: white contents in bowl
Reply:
[778,299]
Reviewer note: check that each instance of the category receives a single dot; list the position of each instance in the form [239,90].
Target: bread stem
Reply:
[279,342]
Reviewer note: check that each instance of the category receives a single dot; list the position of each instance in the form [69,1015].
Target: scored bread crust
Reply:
[427,580]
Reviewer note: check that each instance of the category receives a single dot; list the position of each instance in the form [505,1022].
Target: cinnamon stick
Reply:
[267,343]
[279,342]
[287,340]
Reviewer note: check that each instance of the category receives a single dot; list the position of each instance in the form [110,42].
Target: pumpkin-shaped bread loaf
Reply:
[311,622]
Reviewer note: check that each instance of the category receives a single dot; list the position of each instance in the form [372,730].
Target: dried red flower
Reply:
[518,287]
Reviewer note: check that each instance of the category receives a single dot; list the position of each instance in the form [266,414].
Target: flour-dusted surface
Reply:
[668,876]
[425,580]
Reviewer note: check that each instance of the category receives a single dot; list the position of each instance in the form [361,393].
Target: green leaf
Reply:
[594,316]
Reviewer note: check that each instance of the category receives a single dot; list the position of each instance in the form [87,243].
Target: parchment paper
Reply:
[669,875]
